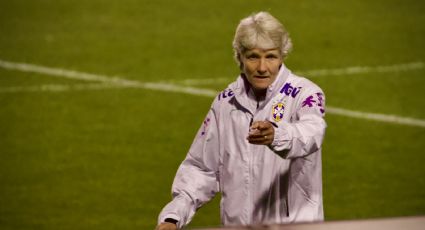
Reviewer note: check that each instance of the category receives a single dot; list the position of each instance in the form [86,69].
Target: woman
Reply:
[260,144]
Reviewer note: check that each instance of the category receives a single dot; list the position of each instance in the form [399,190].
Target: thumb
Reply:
[254,125]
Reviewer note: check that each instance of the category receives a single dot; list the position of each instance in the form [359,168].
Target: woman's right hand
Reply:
[166,226]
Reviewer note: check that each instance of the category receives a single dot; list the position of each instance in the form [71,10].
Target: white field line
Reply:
[167,87]
[204,81]
[63,73]
[376,116]
[323,72]
[363,69]
[57,87]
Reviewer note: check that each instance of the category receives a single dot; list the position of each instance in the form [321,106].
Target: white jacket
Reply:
[259,184]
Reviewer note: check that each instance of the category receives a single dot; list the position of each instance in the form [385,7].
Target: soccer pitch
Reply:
[100,100]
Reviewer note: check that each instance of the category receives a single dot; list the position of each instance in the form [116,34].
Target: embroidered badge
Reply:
[278,111]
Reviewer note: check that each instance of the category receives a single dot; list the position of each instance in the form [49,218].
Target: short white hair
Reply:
[261,30]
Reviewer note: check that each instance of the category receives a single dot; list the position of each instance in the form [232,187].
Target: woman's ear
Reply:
[238,56]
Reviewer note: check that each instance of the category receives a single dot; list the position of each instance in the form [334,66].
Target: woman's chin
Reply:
[259,86]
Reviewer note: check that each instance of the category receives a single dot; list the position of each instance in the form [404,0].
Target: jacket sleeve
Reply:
[303,135]
[196,181]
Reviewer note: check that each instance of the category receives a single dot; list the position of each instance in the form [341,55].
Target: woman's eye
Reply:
[271,56]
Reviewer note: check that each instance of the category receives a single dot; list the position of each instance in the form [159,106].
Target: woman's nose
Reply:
[262,67]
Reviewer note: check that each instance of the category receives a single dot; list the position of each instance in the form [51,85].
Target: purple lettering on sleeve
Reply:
[308,102]
[295,92]
[225,94]
[230,93]
[320,103]
[288,89]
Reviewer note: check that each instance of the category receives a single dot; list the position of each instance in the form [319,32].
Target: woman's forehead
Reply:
[262,50]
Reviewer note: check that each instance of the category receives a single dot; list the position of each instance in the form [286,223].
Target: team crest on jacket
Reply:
[277,111]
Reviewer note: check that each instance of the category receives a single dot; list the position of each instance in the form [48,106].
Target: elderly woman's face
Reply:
[261,66]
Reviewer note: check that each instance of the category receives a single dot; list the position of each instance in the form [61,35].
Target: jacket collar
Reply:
[244,95]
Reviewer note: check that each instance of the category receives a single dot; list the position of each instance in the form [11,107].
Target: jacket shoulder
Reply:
[225,96]
[312,97]
[305,84]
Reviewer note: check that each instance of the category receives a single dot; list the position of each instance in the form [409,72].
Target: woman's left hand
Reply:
[261,133]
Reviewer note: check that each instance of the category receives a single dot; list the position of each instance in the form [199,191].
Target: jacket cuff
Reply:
[281,140]
[171,216]
[171,220]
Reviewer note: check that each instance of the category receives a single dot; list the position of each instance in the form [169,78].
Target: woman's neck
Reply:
[260,95]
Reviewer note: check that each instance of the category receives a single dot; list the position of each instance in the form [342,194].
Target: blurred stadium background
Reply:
[98,148]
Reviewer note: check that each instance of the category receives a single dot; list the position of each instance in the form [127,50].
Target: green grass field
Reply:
[80,157]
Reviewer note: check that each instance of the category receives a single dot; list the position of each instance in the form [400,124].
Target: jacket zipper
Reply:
[287,203]
[250,172]
[250,177]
